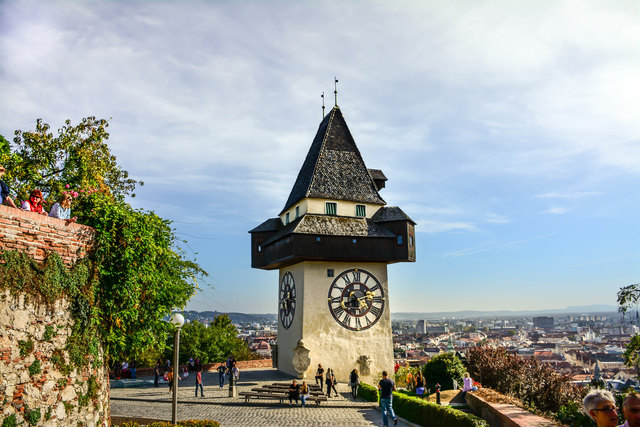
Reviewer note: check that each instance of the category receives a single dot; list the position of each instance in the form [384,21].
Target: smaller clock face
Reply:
[356,299]
[287,300]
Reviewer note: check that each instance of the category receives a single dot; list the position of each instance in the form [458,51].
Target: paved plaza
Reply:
[155,403]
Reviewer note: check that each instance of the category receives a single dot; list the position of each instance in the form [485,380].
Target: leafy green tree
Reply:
[631,354]
[210,344]
[77,156]
[442,369]
[139,272]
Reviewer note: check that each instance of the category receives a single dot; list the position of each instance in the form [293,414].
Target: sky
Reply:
[509,130]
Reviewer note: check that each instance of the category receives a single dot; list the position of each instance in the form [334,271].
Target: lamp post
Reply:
[177,320]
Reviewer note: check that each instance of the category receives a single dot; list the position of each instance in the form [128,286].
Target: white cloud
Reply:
[555,210]
[569,195]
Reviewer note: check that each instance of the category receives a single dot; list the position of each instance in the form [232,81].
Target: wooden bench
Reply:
[280,396]
[283,391]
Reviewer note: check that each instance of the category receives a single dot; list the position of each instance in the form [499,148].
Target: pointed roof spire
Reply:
[335,90]
[334,168]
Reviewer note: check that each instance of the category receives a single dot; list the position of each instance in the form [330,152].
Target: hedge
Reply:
[423,412]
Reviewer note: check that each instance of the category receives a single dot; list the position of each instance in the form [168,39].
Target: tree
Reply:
[631,354]
[443,369]
[210,344]
[628,297]
[139,273]
[78,156]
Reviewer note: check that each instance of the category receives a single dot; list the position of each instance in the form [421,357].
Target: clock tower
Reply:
[332,243]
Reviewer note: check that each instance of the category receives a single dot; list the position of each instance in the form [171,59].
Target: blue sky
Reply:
[509,131]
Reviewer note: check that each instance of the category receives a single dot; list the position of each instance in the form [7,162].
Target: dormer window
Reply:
[331,208]
[361,210]
[286,218]
[297,212]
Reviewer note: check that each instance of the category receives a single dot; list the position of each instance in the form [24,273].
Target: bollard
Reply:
[233,390]
[438,393]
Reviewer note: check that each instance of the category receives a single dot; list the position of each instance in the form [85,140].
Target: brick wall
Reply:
[54,397]
[36,234]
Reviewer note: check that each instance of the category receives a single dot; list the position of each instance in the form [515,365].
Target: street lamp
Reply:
[177,320]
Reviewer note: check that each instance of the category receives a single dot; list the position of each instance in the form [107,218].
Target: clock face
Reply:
[287,300]
[356,299]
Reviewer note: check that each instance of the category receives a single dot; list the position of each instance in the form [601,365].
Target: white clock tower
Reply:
[332,243]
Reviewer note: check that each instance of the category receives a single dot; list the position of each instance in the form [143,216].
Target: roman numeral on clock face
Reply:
[356,299]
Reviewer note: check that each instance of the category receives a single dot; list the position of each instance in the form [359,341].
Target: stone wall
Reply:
[37,383]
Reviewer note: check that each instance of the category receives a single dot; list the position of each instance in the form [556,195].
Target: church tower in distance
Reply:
[332,243]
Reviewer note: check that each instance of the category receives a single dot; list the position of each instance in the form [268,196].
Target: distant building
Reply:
[421,327]
[543,322]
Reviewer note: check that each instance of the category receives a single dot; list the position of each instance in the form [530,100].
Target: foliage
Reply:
[631,354]
[571,414]
[32,416]
[536,384]
[628,297]
[405,377]
[26,346]
[210,344]
[35,368]
[425,413]
[49,333]
[78,156]
[443,369]
[136,275]
[10,421]
[49,281]
[367,392]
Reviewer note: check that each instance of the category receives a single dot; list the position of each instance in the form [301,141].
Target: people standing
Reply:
[419,385]
[320,375]
[304,393]
[354,380]
[198,368]
[600,405]
[170,375]
[235,372]
[334,381]
[328,382]
[132,368]
[631,410]
[221,370]
[387,386]
[34,203]
[4,190]
[156,373]
[294,392]
[62,208]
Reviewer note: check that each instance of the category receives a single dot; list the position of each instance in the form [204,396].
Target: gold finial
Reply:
[335,91]
[322,96]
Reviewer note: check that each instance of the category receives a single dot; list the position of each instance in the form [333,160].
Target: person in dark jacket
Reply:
[4,190]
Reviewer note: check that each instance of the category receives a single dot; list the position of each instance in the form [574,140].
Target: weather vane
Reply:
[322,96]
[335,91]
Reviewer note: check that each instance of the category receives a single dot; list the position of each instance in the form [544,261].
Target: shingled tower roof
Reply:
[334,168]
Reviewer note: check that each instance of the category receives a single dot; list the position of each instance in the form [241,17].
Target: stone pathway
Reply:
[155,403]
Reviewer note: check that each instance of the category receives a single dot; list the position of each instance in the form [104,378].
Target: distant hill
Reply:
[235,317]
[469,314]
[464,314]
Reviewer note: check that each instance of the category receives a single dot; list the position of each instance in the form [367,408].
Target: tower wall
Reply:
[329,343]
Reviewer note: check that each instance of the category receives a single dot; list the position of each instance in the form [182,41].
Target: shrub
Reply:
[571,414]
[426,413]
[367,392]
[443,369]
[422,412]
[32,416]
[536,384]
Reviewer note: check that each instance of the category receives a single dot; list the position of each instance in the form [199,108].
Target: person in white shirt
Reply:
[62,208]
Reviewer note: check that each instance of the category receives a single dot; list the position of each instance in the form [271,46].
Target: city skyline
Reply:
[508,132]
